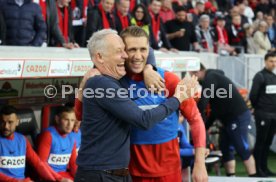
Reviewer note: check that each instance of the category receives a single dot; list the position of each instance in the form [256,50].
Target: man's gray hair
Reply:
[204,17]
[97,42]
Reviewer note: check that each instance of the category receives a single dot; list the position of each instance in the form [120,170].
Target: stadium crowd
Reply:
[225,26]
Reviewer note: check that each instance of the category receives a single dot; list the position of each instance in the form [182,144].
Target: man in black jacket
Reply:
[24,22]
[263,99]
[228,106]
[121,15]
[100,17]
[55,36]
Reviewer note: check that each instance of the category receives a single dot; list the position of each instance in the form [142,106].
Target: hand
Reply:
[68,45]
[186,88]
[163,49]
[76,45]
[66,180]
[179,33]
[153,81]
[207,152]
[199,173]
[90,73]
[174,50]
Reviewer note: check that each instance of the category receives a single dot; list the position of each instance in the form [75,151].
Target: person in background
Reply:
[259,18]
[263,100]
[100,17]
[15,147]
[121,15]
[222,37]
[263,6]
[57,147]
[166,12]
[271,31]
[205,35]
[181,33]
[158,38]
[261,39]
[247,11]
[232,111]
[236,34]
[251,47]
[235,11]
[24,23]
[197,12]
[141,18]
[58,17]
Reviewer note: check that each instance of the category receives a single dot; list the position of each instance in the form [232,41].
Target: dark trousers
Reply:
[266,129]
[233,137]
[99,176]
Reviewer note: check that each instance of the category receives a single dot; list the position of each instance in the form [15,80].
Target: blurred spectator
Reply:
[205,34]
[197,12]
[253,4]
[134,3]
[158,36]
[180,32]
[121,15]
[236,34]
[184,3]
[259,18]
[166,12]
[58,16]
[233,12]
[261,39]
[209,10]
[100,17]
[263,99]
[251,47]
[24,23]
[79,11]
[246,11]
[2,29]
[222,37]
[224,5]
[141,18]
[271,30]
[263,6]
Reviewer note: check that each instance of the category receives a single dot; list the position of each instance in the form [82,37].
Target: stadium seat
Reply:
[48,115]
[27,124]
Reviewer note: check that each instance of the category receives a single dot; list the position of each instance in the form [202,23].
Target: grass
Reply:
[240,170]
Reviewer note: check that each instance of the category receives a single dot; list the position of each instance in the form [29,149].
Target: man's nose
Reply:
[138,55]
[124,55]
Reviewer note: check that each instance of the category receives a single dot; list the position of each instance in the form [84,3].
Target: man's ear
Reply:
[17,121]
[99,58]
[56,119]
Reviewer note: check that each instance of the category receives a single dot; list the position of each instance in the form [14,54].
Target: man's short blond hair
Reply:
[134,31]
